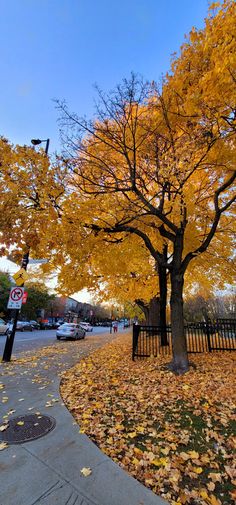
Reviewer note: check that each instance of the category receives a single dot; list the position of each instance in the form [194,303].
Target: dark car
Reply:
[57,324]
[24,326]
[35,325]
[46,325]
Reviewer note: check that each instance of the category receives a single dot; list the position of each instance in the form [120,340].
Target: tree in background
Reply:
[38,299]
[5,286]
[200,308]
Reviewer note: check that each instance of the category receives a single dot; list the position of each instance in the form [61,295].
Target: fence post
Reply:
[164,341]
[136,329]
[208,336]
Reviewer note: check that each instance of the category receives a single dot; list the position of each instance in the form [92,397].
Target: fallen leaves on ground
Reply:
[175,434]
[3,445]
[86,471]
[31,358]
[3,427]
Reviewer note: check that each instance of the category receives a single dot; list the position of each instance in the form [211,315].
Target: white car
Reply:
[3,327]
[70,330]
[86,326]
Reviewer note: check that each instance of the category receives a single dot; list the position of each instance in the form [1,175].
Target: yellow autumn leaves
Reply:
[174,434]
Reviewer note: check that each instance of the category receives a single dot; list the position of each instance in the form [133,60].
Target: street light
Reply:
[25,260]
[36,142]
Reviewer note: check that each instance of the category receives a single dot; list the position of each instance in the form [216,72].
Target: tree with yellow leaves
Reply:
[160,164]
[30,189]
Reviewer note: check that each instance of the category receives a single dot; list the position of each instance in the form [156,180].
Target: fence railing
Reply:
[200,337]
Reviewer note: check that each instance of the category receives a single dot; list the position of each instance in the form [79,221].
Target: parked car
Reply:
[46,325]
[70,330]
[86,326]
[3,327]
[57,324]
[24,326]
[35,325]
[49,326]
[107,324]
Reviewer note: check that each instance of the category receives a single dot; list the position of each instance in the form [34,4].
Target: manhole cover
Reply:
[26,428]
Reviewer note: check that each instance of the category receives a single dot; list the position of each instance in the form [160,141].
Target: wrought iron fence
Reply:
[200,337]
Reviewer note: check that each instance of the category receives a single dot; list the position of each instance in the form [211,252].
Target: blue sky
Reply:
[61,48]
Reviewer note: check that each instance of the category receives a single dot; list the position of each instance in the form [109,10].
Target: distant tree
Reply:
[38,299]
[5,286]
[100,312]
[196,309]
[200,308]
[56,307]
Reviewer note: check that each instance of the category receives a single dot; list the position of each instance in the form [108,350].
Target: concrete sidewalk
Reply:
[47,471]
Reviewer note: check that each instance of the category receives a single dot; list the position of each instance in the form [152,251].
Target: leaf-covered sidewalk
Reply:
[174,434]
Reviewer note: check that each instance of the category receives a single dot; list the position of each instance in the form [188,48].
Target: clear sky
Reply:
[61,48]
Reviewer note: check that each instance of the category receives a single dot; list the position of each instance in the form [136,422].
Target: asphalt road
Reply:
[28,341]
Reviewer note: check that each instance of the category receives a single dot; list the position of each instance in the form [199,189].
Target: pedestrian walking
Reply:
[115,326]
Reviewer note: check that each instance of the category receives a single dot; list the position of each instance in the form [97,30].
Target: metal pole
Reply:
[136,330]
[11,335]
[47,146]
[208,335]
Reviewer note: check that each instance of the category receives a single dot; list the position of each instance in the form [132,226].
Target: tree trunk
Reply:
[151,310]
[162,275]
[180,363]
[145,309]
[154,311]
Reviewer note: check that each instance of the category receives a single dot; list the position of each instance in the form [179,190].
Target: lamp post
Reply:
[36,142]
[25,260]
[11,334]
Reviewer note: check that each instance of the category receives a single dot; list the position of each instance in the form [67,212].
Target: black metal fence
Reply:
[200,337]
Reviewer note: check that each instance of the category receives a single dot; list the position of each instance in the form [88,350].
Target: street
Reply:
[28,341]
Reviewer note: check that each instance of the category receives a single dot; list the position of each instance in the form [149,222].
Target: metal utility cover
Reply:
[23,429]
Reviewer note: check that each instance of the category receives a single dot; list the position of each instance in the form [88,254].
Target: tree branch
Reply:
[218,212]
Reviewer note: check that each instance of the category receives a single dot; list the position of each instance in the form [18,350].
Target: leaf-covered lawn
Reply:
[174,434]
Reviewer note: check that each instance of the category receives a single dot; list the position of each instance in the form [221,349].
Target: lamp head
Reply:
[35,142]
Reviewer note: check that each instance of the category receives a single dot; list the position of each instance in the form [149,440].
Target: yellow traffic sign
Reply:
[20,277]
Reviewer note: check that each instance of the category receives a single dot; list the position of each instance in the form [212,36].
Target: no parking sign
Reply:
[15,298]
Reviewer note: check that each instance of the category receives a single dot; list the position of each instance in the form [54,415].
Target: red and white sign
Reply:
[15,298]
[25,296]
